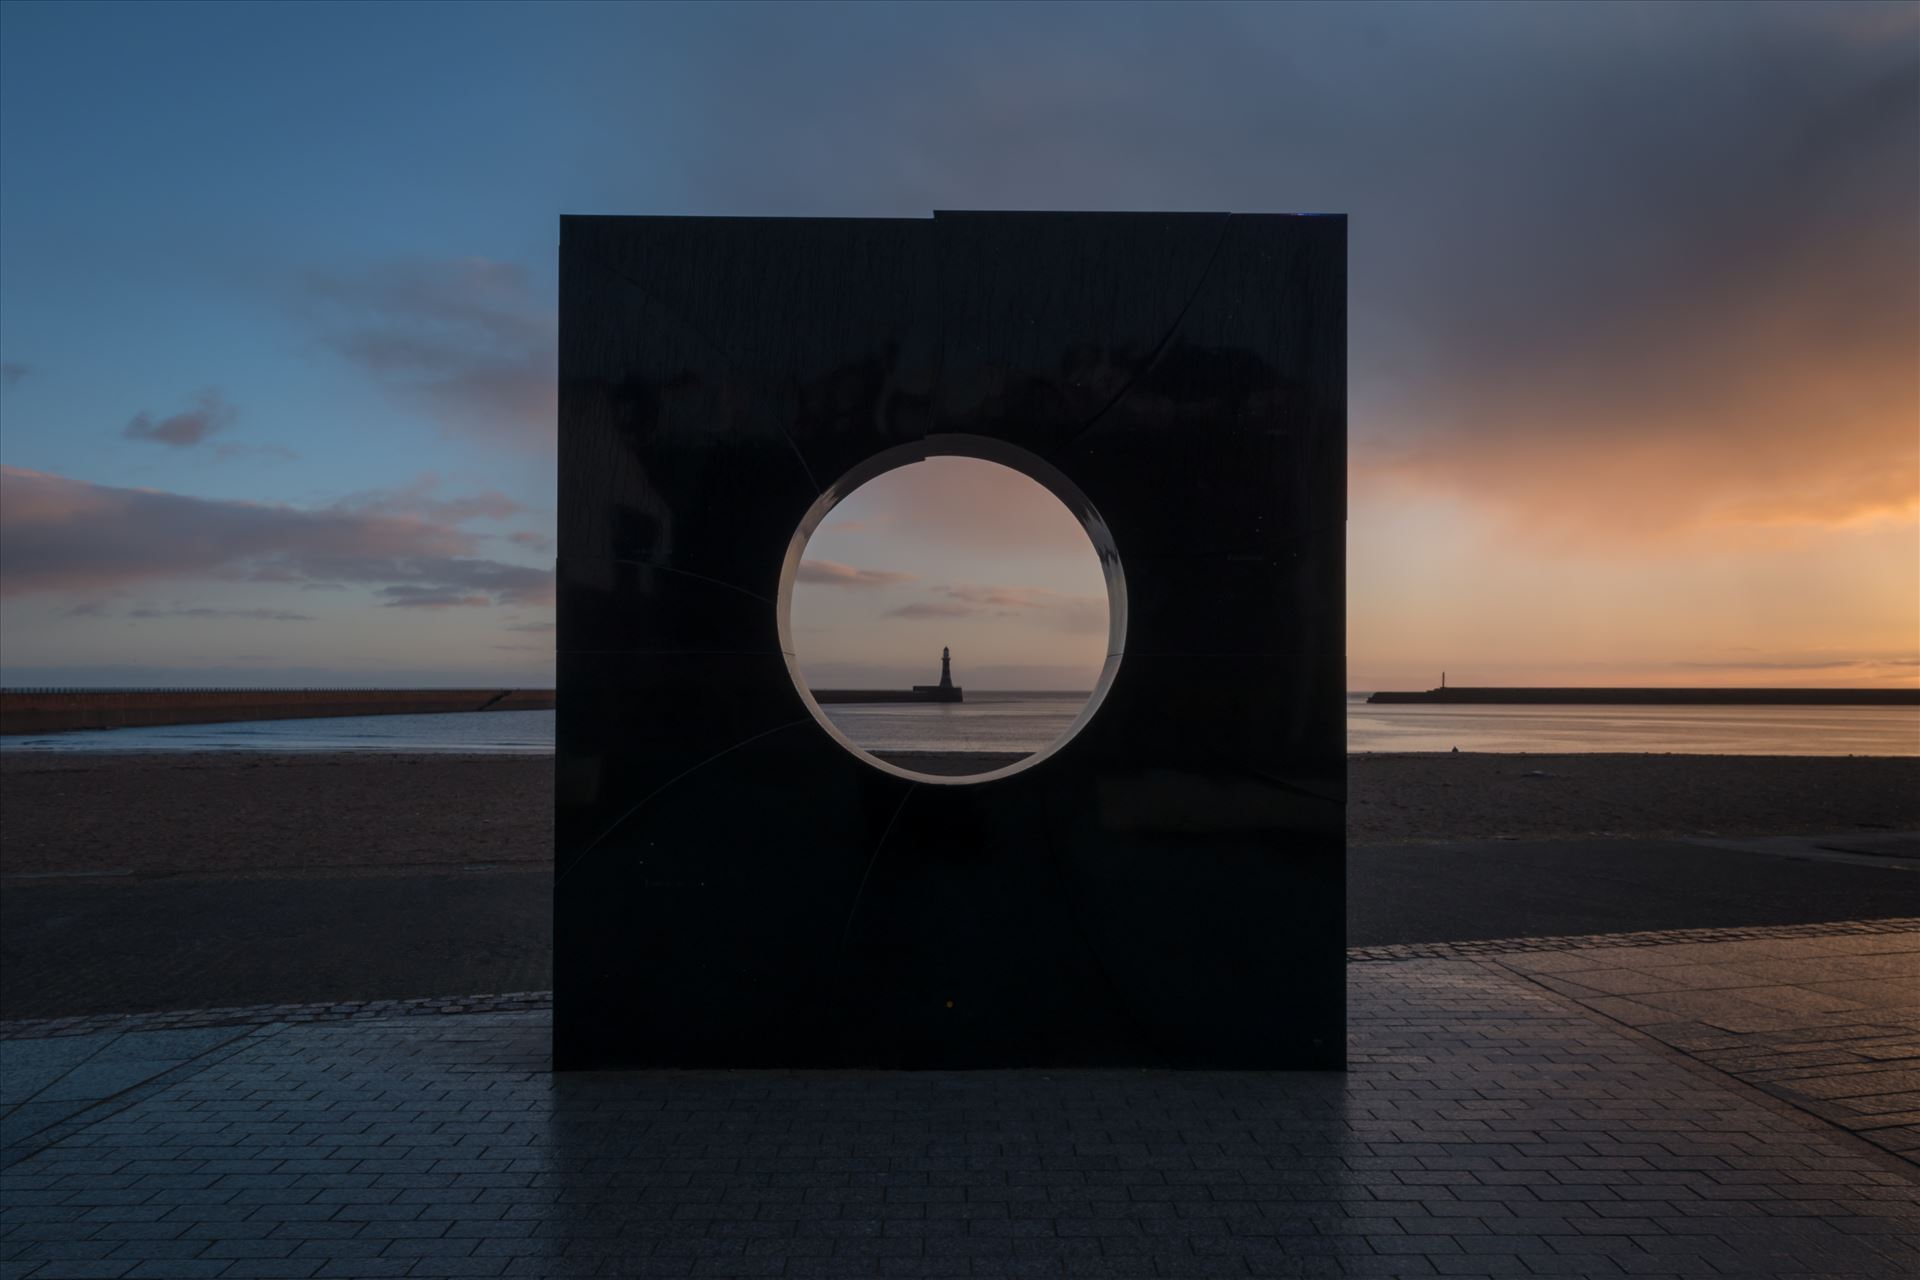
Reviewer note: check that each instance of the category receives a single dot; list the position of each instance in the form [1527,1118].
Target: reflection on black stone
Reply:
[1168,886]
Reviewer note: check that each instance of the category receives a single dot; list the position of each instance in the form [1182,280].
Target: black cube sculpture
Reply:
[1165,887]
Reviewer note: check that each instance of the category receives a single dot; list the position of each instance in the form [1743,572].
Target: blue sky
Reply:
[1635,290]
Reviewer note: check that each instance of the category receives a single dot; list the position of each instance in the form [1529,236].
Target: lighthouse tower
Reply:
[946,690]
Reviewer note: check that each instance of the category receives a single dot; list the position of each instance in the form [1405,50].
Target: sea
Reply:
[1030,721]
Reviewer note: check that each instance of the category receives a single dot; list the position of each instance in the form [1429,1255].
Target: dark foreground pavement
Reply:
[106,944]
[1490,1126]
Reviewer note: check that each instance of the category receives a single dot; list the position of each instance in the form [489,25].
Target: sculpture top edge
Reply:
[937,214]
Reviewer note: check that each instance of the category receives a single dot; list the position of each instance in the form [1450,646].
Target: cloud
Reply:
[430,581]
[12,371]
[932,609]
[1005,597]
[259,615]
[417,500]
[58,534]
[412,597]
[468,341]
[250,671]
[1866,664]
[187,428]
[966,503]
[530,540]
[1617,271]
[828,573]
[532,626]
[1056,610]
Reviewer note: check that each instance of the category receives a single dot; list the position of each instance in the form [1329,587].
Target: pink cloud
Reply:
[829,573]
[1056,610]
[406,596]
[417,500]
[967,503]
[932,609]
[203,611]
[66,535]
[470,341]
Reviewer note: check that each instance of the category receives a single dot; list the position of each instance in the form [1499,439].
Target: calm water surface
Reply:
[468,732]
[1731,731]
[1028,722]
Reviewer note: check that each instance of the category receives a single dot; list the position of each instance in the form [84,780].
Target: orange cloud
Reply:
[832,574]
[1748,359]
[1044,606]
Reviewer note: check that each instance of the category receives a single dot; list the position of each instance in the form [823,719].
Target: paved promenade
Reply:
[1500,1118]
[97,943]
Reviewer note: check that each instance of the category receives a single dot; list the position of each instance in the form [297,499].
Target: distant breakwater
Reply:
[62,710]
[919,693]
[1466,695]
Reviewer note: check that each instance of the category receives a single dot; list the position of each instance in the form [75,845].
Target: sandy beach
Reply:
[245,814]
[182,881]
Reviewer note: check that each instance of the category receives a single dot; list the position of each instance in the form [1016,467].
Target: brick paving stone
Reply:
[1486,1128]
[523,1001]
[1562,944]
[1787,1014]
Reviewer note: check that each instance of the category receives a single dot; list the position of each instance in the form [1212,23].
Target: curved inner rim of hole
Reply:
[959,543]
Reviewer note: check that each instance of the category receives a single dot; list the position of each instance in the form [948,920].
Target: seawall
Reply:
[919,693]
[59,710]
[1663,697]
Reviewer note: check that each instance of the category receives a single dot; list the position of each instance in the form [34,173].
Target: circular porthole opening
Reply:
[953,611]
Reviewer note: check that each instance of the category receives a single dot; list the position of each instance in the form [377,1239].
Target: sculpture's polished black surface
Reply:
[1167,886]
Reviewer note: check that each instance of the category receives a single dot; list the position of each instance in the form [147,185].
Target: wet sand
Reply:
[143,883]
[1398,799]
[244,814]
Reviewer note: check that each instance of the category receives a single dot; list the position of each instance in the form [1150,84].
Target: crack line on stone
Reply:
[1213,255]
[642,563]
[1067,882]
[92,1111]
[616,824]
[853,908]
[1788,1102]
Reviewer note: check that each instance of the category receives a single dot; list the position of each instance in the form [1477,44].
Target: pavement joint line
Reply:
[270,1014]
[97,1109]
[1779,1101]
[529,1001]
[1486,1128]
[1476,948]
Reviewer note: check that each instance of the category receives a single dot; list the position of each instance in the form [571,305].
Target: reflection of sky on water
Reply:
[1029,723]
[1738,731]
[490,732]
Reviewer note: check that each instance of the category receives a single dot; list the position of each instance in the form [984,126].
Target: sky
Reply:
[951,553]
[1634,292]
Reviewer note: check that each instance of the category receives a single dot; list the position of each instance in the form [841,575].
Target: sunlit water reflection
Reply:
[1028,722]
